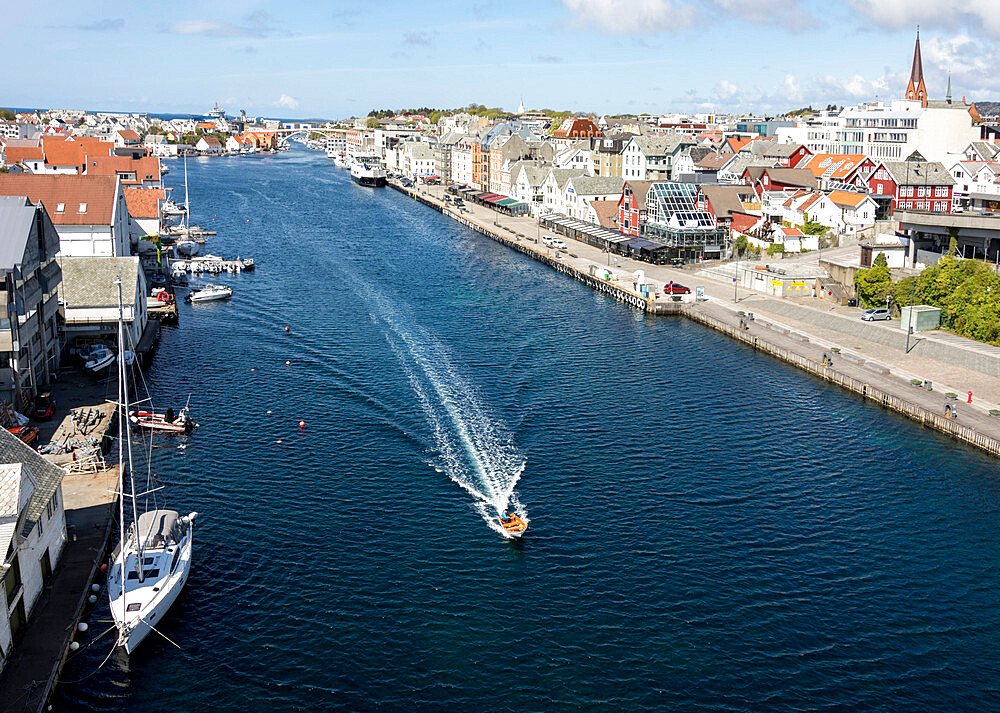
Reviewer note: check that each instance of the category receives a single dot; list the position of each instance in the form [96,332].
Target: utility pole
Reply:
[909,320]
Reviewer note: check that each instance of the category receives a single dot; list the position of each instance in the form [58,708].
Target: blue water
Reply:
[709,528]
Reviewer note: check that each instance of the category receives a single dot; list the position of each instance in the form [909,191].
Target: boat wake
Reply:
[474,447]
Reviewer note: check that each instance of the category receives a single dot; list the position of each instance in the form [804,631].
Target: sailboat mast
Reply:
[187,207]
[122,419]
[126,432]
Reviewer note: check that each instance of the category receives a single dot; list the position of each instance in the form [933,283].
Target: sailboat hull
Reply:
[152,601]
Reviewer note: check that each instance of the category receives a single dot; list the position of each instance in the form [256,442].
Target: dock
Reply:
[885,379]
[29,676]
[212,264]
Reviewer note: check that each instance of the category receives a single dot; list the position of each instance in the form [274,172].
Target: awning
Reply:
[492,198]
[506,201]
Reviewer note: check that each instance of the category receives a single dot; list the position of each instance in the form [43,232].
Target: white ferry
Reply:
[367,169]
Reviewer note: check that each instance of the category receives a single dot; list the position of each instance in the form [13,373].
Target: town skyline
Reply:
[303,60]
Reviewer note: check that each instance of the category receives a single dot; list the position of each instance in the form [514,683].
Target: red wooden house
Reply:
[913,185]
[632,206]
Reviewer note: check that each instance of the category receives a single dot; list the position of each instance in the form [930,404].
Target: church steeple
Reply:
[948,95]
[916,88]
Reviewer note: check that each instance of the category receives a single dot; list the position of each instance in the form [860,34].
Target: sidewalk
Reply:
[811,340]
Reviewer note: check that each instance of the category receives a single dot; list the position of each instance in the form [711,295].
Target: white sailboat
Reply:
[153,557]
[185,246]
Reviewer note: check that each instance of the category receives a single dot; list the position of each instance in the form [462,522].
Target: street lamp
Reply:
[909,319]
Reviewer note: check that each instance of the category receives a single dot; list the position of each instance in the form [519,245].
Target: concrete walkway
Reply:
[815,329]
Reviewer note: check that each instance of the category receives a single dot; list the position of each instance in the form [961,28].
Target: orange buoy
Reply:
[278,441]
[288,329]
[302,424]
[288,363]
[253,370]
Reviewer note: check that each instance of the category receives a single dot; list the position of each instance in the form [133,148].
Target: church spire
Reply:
[948,96]
[916,88]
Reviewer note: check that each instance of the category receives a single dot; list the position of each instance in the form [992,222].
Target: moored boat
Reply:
[98,359]
[367,170]
[152,561]
[168,421]
[210,293]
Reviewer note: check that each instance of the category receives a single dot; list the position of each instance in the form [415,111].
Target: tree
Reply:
[873,284]
[812,228]
[7,115]
[435,116]
[372,123]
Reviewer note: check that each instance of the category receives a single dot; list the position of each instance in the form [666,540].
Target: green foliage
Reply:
[372,123]
[776,249]
[435,116]
[874,283]
[316,136]
[967,291]
[880,261]
[7,115]
[46,121]
[155,129]
[743,247]
[4,169]
[810,227]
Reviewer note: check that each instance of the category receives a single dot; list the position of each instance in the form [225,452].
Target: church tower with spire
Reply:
[916,89]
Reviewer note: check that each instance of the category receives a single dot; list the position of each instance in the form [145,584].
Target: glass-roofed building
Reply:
[673,219]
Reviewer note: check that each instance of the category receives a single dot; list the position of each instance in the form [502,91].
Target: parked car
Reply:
[547,240]
[458,201]
[876,313]
[675,288]
[27,434]
[45,407]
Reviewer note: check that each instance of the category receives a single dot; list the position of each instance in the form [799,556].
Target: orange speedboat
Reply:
[512,524]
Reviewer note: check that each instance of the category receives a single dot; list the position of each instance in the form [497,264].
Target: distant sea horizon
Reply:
[160,115]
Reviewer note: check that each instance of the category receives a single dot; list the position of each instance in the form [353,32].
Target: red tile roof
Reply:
[60,152]
[144,202]
[128,134]
[793,232]
[146,168]
[16,154]
[94,146]
[848,199]
[736,143]
[838,165]
[95,193]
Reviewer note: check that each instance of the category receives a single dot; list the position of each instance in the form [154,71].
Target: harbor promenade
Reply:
[865,353]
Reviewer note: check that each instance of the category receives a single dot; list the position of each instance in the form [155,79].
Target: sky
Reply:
[298,59]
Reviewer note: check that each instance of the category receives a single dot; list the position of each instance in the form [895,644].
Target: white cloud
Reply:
[791,89]
[287,102]
[632,17]
[256,24]
[979,15]
[971,63]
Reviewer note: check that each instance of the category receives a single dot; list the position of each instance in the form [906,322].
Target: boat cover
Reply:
[156,527]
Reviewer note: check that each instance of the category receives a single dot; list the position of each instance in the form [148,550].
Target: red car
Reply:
[674,288]
[28,434]
[45,407]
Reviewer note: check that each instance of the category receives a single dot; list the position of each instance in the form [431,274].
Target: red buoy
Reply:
[302,424]
[104,567]
[288,363]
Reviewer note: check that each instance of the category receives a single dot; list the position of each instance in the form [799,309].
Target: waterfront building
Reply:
[89,212]
[554,188]
[89,298]
[603,213]
[32,534]
[143,206]
[580,191]
[141,172]
[527,179]
[504,151]
[914,184]
[157,145]
[673,219]
[208,145]
[29,340]
[651,158]
[632,206]
[63,155]
[263,140]
[418,159]
[462,165]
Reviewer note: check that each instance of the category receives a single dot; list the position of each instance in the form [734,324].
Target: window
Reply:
[147,573]
[83,208]
[135,606]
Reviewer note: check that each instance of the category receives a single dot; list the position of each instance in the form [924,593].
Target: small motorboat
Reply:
[187,248]
[248,264]
[209,293]
[99,359]
[512,524]
[27,434]
[180,422]
[179,276]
